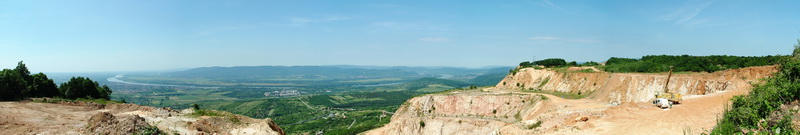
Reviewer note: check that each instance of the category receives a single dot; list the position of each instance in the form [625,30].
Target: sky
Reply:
[142,35]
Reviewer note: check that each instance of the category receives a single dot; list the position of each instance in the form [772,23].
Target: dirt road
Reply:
[697,114]
[42,118]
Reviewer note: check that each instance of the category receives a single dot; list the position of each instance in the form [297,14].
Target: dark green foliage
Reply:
[11,85]
[661,63]
[421,123]
[80,87]
[43,86]
[535,125]
[195,107]
[615,60]
[17,84]
[573,63]
[552,62]
[763,102]
[590,63]
[526,64]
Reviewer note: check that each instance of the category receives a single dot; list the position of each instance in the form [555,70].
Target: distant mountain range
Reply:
[331,72]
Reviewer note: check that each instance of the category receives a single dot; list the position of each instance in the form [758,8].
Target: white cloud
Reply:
[566,39]
[303,21]
[406,26]
[434,39]
[685,13]
[548,3]
[293,22]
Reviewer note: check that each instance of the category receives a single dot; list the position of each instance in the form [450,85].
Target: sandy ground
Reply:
[697,114]
[42,118]
[70,118]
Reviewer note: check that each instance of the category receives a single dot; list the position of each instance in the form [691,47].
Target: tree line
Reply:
[19,83]
[555,62]
[661,63]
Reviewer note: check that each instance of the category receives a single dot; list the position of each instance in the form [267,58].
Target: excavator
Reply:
[667,99]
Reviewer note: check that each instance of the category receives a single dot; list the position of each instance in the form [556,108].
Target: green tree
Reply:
[80,87]
[41,86]
[590,63]
[573,63]
[552,62]
[11,85]
[796,52]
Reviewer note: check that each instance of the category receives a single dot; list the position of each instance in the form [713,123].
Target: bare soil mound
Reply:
[108,124]
[92,118]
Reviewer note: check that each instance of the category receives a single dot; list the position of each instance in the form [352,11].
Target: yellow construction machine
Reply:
[666,99]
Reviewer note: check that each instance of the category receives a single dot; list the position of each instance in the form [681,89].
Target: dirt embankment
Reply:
[466,112]
[634,87]
[91,118]
[506,109]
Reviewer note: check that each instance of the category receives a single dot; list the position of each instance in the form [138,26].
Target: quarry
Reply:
[614,103]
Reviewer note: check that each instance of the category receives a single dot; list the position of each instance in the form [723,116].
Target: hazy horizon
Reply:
[102,36]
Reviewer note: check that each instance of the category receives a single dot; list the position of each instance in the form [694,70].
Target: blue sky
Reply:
[91,36]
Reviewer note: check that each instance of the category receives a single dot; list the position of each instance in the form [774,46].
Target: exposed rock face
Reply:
[460,113]
[508,109]
[633,87]
[227,124]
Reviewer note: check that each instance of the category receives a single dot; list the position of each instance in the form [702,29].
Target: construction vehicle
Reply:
[667,99]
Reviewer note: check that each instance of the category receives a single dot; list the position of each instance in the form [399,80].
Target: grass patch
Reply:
[559,94]
[214,113]
[99,101]
[198,113]
[59,100]
[546,79]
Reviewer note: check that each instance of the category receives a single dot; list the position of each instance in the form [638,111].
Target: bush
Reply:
[552,62]
[747,113]
[80,87]
[535,125]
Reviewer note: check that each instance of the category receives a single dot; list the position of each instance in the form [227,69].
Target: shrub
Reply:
[535,125]
[747,113]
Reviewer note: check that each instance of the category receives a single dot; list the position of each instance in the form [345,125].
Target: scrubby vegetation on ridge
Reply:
[760,112]
[659,63]
[18,83]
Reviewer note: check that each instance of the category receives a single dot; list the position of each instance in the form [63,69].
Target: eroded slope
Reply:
[91,118]
[618,104]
